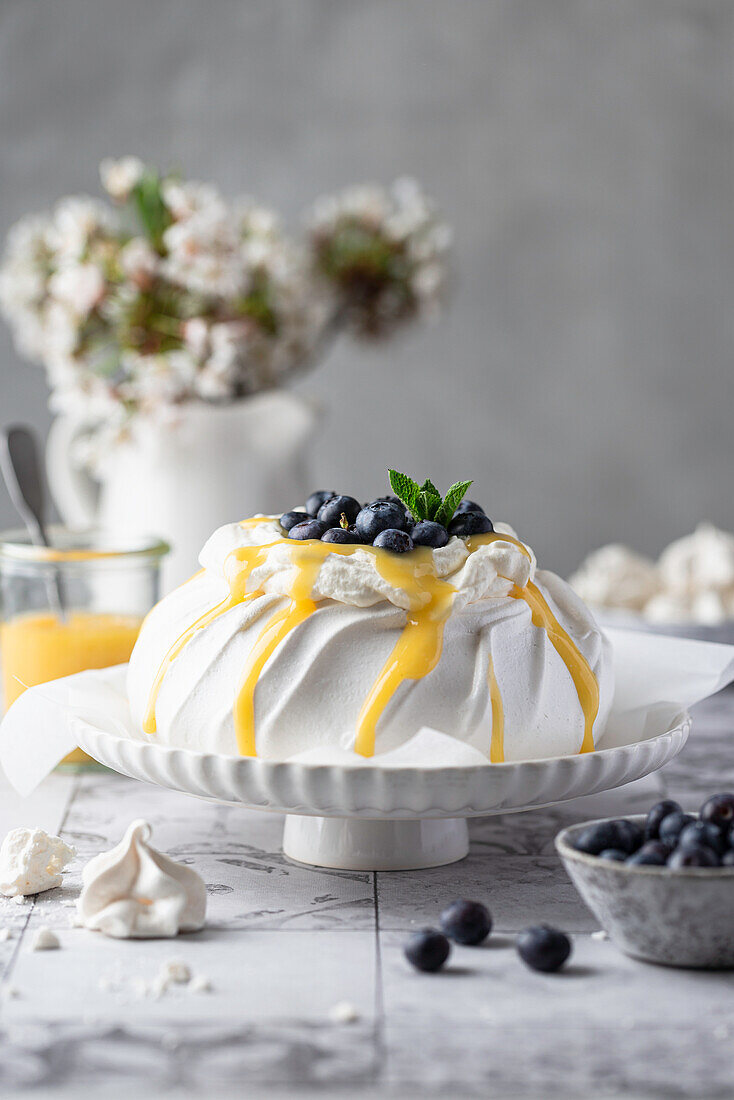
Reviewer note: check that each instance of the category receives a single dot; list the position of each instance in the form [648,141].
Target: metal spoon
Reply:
[21,471]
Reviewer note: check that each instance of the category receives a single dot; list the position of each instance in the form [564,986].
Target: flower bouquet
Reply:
[171,294]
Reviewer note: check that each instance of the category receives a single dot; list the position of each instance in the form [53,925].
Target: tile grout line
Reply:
[76,783]
[380,1045]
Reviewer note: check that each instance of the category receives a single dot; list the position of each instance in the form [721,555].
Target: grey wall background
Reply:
[582,149]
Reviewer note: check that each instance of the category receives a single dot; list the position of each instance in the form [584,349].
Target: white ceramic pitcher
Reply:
[217,465]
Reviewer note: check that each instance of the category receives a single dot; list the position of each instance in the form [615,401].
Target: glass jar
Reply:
[75,605]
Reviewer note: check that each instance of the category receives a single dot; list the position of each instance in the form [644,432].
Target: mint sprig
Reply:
[425,501]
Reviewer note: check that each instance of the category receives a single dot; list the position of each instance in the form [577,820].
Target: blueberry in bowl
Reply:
[670,899]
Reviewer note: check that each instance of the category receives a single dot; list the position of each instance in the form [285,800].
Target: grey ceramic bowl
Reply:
[678,918]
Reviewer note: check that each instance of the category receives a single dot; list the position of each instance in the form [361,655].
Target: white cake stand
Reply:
[370,817]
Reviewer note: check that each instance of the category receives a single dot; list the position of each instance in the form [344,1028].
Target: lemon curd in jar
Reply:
[77,604]
[38,647]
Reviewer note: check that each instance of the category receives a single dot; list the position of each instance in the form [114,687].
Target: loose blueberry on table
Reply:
[670,838]
[427,950]
[543,948]
[466,922]
[413,515]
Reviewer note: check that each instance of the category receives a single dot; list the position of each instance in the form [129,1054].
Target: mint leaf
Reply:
[451,502]
[429,487]
[430,499]
[424,501]
[406,490]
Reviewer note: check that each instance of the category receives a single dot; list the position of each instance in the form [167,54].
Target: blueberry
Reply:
[311,529]
[397,542]
[290,519]
[656,815]
[673,825]
[427,950]
[727,860]
[614,855]
[341,534]
[694,857]
[719,810]
[428,533]
[470,523]
[332,510]
[468,506]
[543,948]
[652,854]
[389,498]
[382,515]
[318,498]
[702,833]
[467,922]
[621,834]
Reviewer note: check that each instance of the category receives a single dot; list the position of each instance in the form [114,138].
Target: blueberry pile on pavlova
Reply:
[416,515]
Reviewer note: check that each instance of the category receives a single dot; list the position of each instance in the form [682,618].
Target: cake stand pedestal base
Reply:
[359,844]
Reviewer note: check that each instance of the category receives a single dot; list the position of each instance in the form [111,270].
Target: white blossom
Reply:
[119,176]
[80,287]
[76,221]
[139,261]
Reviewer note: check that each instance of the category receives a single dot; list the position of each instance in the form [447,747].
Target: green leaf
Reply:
[430,499]
[406,490]
[451,502]
[429,487]
[147,200]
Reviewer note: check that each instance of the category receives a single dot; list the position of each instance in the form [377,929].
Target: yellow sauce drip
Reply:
[415,654]
[237,594]
[584,679]
[418,649]
[497,742]
[276,629]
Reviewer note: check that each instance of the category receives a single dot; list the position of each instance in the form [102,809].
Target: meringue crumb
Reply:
[343,1012]
[200,984]
[21,899]
[176,970]
[45,940]
[5,934]
[600,935]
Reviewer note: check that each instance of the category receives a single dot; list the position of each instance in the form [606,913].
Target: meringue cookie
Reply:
[615,576]
[31,861]
[135,892]
[698,562]
[692,582]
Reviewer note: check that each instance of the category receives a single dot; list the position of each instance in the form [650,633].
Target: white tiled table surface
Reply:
[284,944]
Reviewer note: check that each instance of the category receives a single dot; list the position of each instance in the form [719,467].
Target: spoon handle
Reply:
[21,470]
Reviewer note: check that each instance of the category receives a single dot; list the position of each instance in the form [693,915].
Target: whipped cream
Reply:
[312,687]
[693,580]
[135,892]
[31,861]
[354,579]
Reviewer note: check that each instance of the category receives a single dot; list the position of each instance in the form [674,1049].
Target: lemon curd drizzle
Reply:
[497,741]
[415,654]
[581,673]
